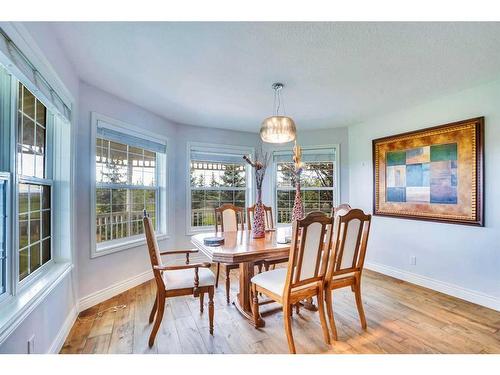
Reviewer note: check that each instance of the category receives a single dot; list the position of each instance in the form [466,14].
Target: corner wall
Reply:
[459,260]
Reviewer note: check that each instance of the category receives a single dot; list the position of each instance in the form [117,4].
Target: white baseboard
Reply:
[58,342]
[440,286]
[111,291]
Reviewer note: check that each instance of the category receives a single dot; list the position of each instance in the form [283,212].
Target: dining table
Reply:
[239,247]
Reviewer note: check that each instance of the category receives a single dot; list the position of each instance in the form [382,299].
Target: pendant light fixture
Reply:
[278,128]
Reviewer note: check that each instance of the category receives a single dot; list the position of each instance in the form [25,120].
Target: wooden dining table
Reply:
[239,247]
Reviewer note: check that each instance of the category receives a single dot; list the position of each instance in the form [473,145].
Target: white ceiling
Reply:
[220,74]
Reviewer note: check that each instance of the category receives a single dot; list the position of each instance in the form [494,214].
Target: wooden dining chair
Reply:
[269,223]
[304,277]
[268,217]
[181,280]
[346,260]
[228,218]
[341,209]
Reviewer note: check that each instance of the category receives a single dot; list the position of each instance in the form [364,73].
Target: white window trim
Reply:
[5,177]
[22,297]
[336,177]
[250,186]
[109,247]
[24,286]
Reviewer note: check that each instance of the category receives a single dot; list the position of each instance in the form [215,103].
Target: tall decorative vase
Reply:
[298,207]
[258,227]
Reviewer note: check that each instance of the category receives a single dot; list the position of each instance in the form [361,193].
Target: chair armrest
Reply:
[182,267]
[187,252]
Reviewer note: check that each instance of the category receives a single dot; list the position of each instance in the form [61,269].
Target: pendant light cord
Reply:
[277,97]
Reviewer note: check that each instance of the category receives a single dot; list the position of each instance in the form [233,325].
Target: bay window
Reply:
[319,181]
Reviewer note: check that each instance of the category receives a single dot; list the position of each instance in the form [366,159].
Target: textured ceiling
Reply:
[220,74]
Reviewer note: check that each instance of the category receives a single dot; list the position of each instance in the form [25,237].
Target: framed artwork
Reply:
[431,174]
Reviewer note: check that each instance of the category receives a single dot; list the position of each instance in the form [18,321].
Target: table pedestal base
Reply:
[243,303]
[248,314]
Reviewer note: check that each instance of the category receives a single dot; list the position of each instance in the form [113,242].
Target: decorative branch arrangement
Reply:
[260,164]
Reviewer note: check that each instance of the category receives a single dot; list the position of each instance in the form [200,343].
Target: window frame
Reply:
[5,177]
[48,180]
[230,149]
[336,178]
[162,178]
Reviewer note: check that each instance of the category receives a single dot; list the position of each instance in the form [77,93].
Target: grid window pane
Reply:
[41,113]
[213,184]
[35,259]
[45,250]
[28,103]
[119,211]
[23,264]
[34,225]
[31,135]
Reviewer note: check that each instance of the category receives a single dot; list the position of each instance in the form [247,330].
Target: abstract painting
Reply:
[431,174]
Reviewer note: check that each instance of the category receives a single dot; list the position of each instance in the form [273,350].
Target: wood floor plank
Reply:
[401,317]
[80,331]
[122,336]
[144,298]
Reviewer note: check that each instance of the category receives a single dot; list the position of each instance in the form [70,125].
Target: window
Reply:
[128,180]
[217,175]
[34,200]
[35,186]
[319,182]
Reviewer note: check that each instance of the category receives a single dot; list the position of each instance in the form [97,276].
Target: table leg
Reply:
[243,302]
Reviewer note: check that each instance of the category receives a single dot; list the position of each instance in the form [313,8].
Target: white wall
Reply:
[457,259]
[321,137]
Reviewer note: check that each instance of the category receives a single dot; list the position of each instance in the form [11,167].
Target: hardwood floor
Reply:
[401,317]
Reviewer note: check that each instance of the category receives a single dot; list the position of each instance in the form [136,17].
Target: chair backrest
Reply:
[228,218]
[154,251]
[350,237]
[341,209]
[311,241]
[269,222]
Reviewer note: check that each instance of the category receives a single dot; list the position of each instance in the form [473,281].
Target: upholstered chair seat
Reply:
[274,280]
[181,279]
